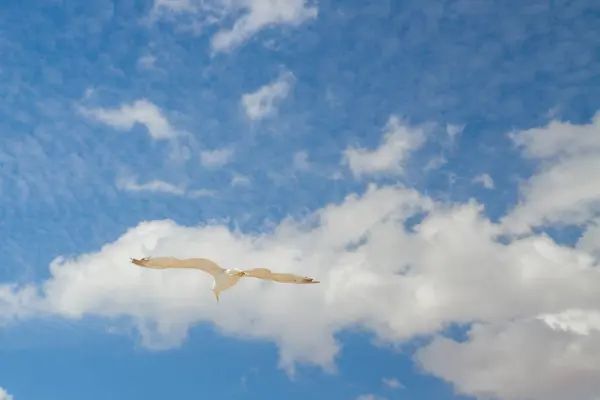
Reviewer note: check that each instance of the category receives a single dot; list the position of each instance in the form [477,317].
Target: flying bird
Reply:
[223,278]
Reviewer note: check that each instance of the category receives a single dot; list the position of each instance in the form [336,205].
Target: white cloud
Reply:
[566,188]
[258,15]
[263,102]
[559,139]
[125,117]
[251,17]
[240,180]
[392,383]
[216,158]
[590,239]
[393,282]
[534,301]
[485,180]
[435,163]
[131,184]
[579,321]
[398,142]
[524,359]
[4,395]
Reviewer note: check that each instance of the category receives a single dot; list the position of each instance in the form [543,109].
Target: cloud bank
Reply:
[393,262]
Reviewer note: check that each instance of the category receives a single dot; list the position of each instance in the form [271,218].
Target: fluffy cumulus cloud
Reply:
[523,359]
[530,304]
[249,17]
[566,189]
[399,140]
[264,101]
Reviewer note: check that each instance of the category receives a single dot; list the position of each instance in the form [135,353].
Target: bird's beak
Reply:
[217,297]
[138,262]
[310,280]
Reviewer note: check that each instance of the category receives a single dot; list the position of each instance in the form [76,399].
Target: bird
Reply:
[223,278]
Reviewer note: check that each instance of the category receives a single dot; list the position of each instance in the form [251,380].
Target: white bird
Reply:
[223,278]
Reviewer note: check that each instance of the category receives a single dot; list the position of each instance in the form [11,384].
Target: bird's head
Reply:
[146,262]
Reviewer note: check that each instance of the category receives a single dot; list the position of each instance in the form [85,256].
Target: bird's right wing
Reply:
[202,264]
[263,273]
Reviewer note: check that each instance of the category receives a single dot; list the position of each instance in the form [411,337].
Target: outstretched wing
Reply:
[263,273]
[202,264]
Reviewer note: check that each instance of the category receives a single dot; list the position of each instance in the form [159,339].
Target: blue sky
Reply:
[304,136]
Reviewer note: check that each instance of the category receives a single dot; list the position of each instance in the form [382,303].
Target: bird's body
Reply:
[223,278]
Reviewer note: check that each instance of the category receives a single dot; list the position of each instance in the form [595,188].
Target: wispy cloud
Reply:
[485,180]
[435,163]
[392,383]
[369,396]
[397,144]
[176,5]
[251,17]
[240,180]
[216,158]
[147,61]
[454,130]
[259,15]
[131,184]
[202,193]
[301,161]
[263,102]
[126,116]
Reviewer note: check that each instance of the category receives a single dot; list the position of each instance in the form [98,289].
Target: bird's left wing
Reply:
[263,273]
[202,264]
